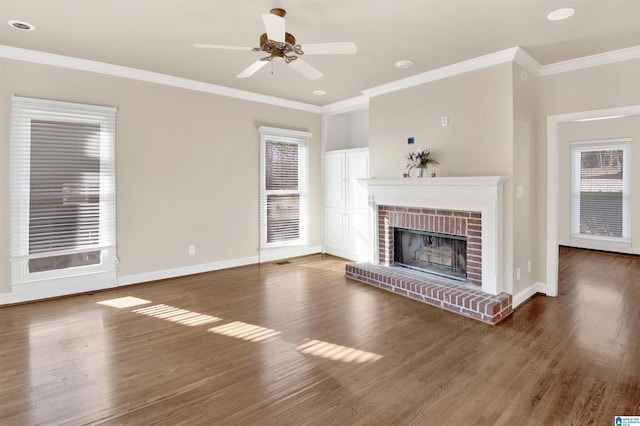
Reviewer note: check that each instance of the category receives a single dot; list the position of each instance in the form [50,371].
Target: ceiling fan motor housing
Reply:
[278,12]
[278,49]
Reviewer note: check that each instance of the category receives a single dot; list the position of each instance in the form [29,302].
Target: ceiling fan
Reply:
[281,46]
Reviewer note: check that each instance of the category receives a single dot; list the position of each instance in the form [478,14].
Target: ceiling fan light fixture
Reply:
[319,92]
[404,64]
[561,14]
[21,25]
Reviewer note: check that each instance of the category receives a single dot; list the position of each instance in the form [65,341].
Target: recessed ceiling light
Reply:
[21,25]
[560,14]
[319,92]
[404,64]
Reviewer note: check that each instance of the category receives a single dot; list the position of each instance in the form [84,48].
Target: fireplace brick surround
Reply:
[465,224]
[470,207]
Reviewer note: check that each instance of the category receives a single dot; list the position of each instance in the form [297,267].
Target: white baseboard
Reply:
[74,285]
[345,254]
[270,255]
[528,292]
[599,245]
[185,270]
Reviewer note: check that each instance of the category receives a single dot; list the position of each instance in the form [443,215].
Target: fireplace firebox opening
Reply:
[440,254]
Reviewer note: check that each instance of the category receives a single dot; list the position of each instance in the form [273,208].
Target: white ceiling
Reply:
[158,35]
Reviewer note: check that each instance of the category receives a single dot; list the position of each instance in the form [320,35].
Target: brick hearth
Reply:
[454,296]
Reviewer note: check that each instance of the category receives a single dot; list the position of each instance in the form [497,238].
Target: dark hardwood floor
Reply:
[299,344]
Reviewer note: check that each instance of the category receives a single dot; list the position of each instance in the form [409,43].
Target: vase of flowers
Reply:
[420,161]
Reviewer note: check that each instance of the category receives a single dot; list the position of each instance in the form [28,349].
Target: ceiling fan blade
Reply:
[220,46]
[305,69]
[274,25]
[251,69]
[339,48]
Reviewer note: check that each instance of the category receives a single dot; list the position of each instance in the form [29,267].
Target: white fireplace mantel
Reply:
[477,193]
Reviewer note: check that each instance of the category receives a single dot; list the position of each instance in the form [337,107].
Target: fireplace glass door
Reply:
[431,252]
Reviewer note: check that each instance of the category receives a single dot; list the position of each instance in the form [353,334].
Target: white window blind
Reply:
[601,190]
[62,182]
[284,186]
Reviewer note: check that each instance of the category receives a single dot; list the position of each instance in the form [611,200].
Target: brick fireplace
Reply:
[443,222]
[466,208]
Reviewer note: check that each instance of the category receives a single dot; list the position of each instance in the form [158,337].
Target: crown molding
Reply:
[526,61]
[15,53]
[286,133]
[514,54]
[357,103]
[480,62]
[591,61]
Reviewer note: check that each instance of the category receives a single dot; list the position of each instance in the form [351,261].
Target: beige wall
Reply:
[524,175]
[187,165]
[478,140]
[604,129]
[605,86]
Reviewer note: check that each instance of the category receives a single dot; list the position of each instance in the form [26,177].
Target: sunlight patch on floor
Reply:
[124,302]
[241,330]
[326,265]
[336,352]
[177,315]
[244,331]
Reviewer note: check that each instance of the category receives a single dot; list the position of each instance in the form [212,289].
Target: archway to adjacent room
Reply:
[553,171]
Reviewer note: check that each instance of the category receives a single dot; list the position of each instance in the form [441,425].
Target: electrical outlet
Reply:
[519,191]
[517,273]
[192,250]
[445,120]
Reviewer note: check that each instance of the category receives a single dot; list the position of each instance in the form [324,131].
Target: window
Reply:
[284,183]
[62,189]
[601,190]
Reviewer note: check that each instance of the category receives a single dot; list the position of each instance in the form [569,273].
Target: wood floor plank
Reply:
[301,344]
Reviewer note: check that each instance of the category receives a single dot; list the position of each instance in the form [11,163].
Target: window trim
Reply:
[575,149]
[287,136]
[23,111]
